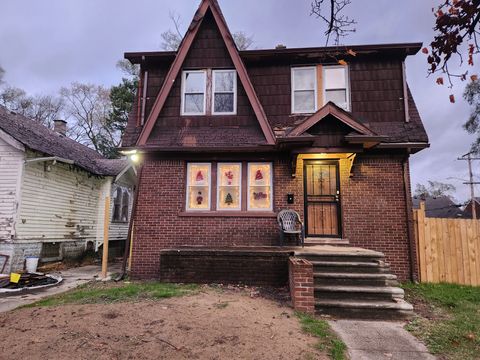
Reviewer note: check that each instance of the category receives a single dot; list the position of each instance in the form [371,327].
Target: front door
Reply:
[322,199]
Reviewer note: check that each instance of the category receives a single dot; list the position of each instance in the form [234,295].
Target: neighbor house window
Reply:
[194,88]
[335,85]
[229,182]
[260,187]
[198,186]
[121,205]
[224,92]
[304,90]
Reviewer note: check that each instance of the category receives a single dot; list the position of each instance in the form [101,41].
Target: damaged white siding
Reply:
[59,203]
[11,163]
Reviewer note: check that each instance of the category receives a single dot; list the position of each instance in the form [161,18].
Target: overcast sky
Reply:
[48,44]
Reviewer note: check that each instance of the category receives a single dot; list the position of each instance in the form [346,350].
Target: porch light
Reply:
[134,158]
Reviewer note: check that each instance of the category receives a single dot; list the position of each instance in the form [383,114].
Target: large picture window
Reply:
[229,182]
[224,92]
[194,88]
[260,187]
[198,186]
[304,90]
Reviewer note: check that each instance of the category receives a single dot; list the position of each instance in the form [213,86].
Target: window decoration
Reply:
[198,186]
[224,92]
[336,86]
[304,90]
[194,88]
[260,187]
[229,180]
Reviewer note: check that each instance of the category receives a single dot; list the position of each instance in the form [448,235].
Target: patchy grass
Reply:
[327,339]
[99,293]
[449,321]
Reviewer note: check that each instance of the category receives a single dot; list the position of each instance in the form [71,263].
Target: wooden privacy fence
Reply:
[448,249]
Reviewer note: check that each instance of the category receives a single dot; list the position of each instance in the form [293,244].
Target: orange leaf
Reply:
[452,99]
[342,62]
[474,77]
[425,50]
[351,52]
[440,81]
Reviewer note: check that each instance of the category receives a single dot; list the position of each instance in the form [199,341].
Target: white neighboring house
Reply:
[53,192]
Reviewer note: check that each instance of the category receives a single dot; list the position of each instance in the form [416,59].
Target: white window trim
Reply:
[347,84]
[182,102]
[187,190]
[224,92]
[219,176]
[293,89]
[249,208]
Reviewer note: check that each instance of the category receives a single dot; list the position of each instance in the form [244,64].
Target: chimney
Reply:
[280,47]
[60,126]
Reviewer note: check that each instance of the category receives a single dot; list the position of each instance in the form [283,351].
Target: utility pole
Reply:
[468,157]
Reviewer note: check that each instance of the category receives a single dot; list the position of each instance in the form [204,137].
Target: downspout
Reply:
[130,227]
[409,218]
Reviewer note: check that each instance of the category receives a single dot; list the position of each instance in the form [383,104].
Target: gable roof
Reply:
[439,207]
[333,110]
[37,137]
[205,6]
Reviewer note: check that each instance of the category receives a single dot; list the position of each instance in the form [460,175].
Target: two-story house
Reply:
[227,138]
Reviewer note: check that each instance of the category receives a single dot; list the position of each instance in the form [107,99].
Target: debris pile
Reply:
[27,281]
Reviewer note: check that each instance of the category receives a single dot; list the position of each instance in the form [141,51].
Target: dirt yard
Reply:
[211,324]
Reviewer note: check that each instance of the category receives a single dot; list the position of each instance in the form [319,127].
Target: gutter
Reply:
[409,219]
[55,159]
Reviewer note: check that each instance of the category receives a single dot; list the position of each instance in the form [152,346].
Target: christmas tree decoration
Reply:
[229,199]
[199,177]
[258,175]
[199,198]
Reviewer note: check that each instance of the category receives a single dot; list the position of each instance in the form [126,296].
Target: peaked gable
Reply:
[331,110]
[207,6]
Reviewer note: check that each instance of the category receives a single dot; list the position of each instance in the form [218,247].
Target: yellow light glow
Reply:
[134,158]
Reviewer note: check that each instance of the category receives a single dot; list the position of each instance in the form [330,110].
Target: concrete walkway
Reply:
[378,340]
[71,279]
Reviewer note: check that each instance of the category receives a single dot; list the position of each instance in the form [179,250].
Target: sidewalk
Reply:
[378,340]
[71,279]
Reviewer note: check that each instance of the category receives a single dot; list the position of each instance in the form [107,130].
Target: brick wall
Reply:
[373,204]
[301,285]
[224,266]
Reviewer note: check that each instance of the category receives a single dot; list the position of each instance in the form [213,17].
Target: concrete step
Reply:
[340,256]
[354,279]
[350,266]
[397,309]
[354,293]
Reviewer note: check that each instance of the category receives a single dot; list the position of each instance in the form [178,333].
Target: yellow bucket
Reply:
[15,278]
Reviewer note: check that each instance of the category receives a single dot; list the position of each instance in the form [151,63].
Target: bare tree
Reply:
[2,73]
[434,189]
[41,108]
[171,39]
[331,13]
[88,108]
[128,69]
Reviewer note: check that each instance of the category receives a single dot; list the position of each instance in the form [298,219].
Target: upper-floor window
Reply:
[207,92]
[224,91]
[194,89]
[315,86]
[335,86]
[304,90]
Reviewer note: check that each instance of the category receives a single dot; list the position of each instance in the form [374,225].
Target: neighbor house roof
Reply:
[439,207]
[35,136]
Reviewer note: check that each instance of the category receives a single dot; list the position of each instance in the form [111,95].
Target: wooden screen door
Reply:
[322,199]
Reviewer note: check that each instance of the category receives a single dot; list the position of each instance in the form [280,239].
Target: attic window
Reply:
[335,86]
[224,92]
[304,90]
[194,88]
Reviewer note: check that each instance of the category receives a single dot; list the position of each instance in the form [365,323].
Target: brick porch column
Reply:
[301,285]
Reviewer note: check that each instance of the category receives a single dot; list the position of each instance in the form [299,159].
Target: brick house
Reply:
[227,138]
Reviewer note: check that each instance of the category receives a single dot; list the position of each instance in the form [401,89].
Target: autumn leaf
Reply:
[474,77]
[351,52]
[452,99]
[342,62]
[425,50]
[440,81]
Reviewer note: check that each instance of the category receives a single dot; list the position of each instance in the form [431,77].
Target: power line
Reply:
[468,157]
